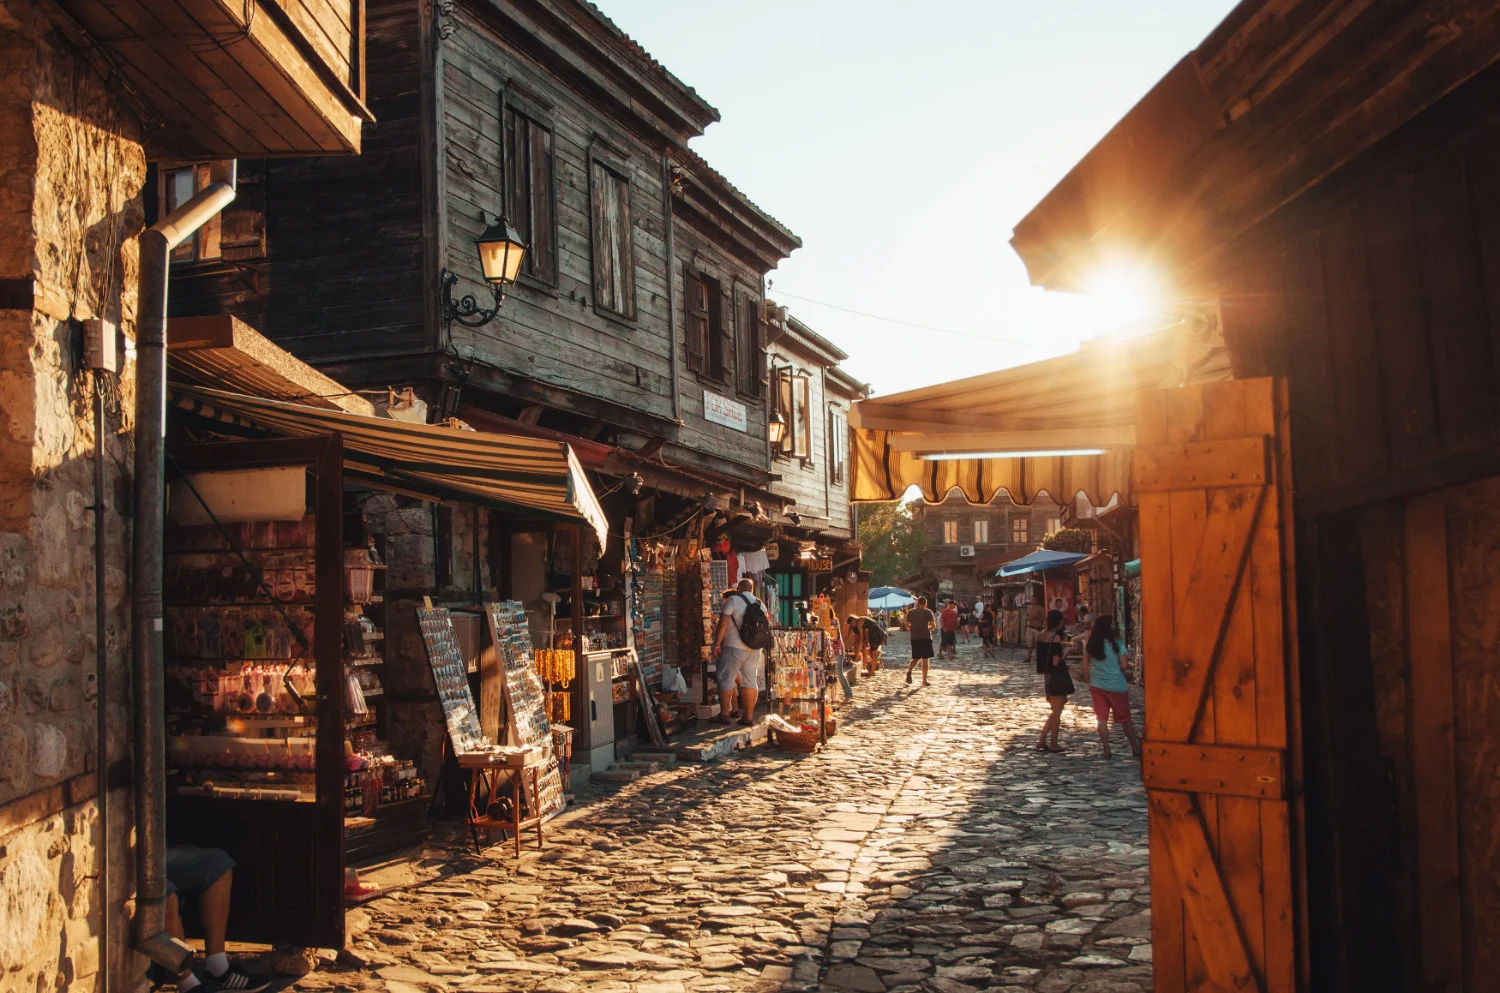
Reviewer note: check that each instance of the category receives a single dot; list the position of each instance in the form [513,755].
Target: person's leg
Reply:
[1057,708]
[726,704]
[748,696]
[213,913]
[924,671]
[1122,717]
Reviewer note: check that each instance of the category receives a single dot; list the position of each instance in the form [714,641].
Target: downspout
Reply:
[156,244]
[666,215]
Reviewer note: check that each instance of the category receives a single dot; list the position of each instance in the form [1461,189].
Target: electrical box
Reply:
[598,719]
[100,345]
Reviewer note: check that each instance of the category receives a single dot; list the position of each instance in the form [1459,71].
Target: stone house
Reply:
[967,542]
[84,107]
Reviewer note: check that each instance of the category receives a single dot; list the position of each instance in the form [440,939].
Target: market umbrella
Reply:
[890,598]
[1038,560]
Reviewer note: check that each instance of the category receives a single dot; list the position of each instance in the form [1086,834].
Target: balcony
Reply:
[238,78]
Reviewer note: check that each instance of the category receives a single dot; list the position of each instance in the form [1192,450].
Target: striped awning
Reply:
[1085,400]
[533,476]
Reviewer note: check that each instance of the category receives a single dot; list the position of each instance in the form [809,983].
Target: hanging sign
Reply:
[722,410]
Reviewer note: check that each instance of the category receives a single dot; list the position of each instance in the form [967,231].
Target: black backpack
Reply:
[754,628]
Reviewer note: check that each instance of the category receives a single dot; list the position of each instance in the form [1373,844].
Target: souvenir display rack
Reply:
[527,698]
[255,688]
[466,740]
[799,677]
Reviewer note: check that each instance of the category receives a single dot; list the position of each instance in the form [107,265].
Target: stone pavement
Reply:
[928,848]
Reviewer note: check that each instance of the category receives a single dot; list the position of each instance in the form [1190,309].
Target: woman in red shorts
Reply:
[1101,670]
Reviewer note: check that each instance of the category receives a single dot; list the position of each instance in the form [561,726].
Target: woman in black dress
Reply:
[1057,682]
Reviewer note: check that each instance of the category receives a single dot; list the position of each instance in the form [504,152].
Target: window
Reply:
[235,234]
[950,532]
[614,258]
[708,341]
[1020,530]
[838,445]
[530,198]
[802,403]
[751,357]
[1054,525]
[981,531]
[793,401]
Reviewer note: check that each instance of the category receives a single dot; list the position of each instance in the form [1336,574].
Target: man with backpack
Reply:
[744,632]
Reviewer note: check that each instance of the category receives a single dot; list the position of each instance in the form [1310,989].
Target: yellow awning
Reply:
[535,476]
[1083,400]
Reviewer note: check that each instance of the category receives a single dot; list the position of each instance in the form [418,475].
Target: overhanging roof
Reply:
[533,476]
[1083,400]
[226,353]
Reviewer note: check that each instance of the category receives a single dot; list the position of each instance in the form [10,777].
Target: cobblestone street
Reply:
[928,847]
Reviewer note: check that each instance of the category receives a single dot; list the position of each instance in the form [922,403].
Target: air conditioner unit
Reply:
[965,551]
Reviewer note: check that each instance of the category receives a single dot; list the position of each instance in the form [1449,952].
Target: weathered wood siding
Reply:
[806,480]
[344,269]
[999,512]
[1378,297]
[557,335]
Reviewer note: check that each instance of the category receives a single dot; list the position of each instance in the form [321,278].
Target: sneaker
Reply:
[234,979]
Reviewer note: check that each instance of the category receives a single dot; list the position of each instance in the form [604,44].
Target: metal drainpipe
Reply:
[101,681]
[156,244]
[666,215]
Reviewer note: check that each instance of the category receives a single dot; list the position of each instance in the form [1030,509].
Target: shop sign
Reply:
[722,410]
[818,565]
[773,552]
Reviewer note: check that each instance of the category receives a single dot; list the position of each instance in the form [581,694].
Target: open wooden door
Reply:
[1222,755]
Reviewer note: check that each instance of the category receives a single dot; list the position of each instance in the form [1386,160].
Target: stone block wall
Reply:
[71,171]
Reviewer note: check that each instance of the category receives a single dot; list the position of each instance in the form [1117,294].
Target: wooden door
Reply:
[1222,753]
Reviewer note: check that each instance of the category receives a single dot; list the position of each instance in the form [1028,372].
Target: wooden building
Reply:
[967,542]
[637,318]
[1320,183]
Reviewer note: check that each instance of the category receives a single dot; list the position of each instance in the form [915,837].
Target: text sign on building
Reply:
[722,410]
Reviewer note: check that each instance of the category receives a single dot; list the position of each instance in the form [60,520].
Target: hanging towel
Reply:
[754,563]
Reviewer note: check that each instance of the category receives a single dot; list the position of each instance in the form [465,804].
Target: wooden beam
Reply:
[996,441]
[1217,769]
[1434,762]
[1200,465]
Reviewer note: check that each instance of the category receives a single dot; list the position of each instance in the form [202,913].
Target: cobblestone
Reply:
[929,847]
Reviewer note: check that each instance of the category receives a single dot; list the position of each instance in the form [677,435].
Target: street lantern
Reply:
[776,429]
[501,253]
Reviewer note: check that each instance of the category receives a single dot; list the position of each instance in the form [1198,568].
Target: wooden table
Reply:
[487,769]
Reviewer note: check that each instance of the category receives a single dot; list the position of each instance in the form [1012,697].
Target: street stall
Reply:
[282,746]
[799,670]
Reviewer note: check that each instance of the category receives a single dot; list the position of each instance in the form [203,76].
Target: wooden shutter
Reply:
[529,205]
[695,318]
[802,422]
[722,302]
[242,235]
[1222,758]
[614,265]
[786,407]
[751,355]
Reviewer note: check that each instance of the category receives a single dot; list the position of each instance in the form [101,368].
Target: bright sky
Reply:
[903,142]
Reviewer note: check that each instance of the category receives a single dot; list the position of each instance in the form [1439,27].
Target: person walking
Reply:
[1057,683]
[738,663]
[872,638]
[987,629]
[1102,658]
[1036,621]
[920,621]
[949,621]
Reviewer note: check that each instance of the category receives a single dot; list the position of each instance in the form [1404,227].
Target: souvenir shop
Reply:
[332,639]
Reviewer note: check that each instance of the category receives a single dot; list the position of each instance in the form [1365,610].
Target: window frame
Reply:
[249,202]
[1020,529]
[950,531]
[981,524]
[749,347]
[803,438]
[618,168]
[838,444]
[512,101]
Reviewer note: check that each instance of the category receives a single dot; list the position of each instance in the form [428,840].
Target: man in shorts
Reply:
[202,877]
[948,620]
[738,663]
[920,621]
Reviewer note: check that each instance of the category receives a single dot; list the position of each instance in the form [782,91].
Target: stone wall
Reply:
[71,171]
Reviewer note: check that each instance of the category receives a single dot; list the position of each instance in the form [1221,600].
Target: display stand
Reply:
[526,702]
[800,677]
[466,741]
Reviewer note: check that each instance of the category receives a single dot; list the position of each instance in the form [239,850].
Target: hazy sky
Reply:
[903,141]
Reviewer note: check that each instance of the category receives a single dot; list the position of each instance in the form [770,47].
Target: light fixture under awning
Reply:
[533,476]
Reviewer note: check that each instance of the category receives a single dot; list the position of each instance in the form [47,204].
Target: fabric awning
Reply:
[1083,400]
[1038,560]
[532,476]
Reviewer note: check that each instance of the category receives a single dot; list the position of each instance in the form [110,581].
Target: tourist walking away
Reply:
[920,620]
[742,633]
[1036,621]
[1102,658]
[949,621]
[987,633]
[1057,683]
